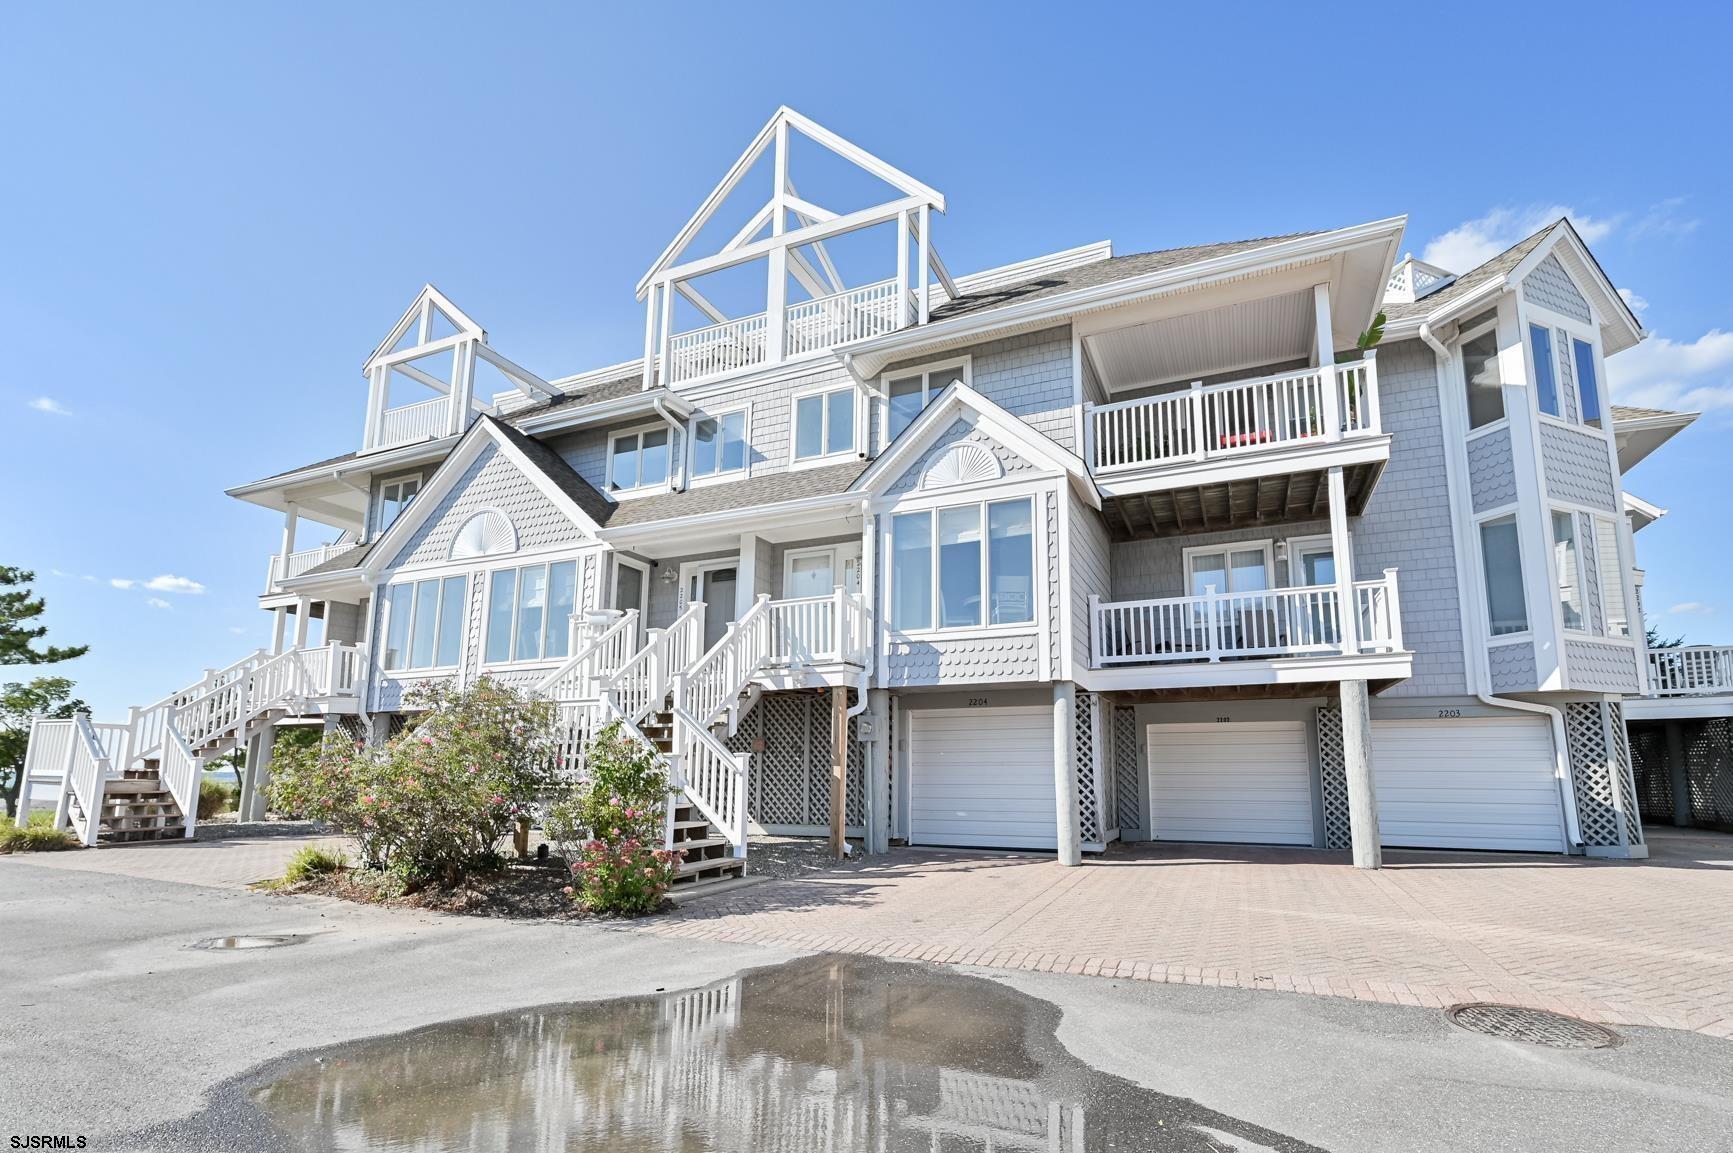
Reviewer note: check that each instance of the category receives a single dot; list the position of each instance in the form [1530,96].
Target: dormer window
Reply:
[824,424]
[719,444]
[638,459]
[908,392]
[394,497]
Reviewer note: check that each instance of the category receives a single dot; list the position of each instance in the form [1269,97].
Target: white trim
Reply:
[839,554]
[382,597]
[925,372]
[1582,629]
[376,499]
[689,471]
[1512,513]
[1298,545]
[564,631]
[936,631]
[830,455]
[640,489]
[693,568]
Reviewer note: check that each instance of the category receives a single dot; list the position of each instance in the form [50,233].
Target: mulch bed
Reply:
[522,890]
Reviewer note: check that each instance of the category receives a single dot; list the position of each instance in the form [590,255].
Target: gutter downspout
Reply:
[675,428]
[1475,627]
[868,582]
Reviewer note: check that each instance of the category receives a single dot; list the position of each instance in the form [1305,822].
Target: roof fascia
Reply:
[603,412]
[365,463]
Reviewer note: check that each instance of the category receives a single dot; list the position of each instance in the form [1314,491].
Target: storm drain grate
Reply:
[1536,1026]
[254,941]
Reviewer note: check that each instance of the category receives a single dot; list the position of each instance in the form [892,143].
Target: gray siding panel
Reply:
[491,481]
[665,595]
[990,660]
[1091,573]
[1601,668]
[1550,285]
[1491,473]
[1407,524]
[1578,468]
[1027,375]
[1512,667]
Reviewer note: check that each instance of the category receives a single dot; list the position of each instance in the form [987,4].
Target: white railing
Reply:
[1689,670]
[45,756]
[424,420]
[283,568]
[825,322]
[641,685]
[813,630]
[1202,423]
[87,772]
[712,777]
[181,773]
[600,657]
[716,680]
[1266,623]
[725,347]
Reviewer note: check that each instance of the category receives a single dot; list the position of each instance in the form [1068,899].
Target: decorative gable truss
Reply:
[436,348]
[705,314]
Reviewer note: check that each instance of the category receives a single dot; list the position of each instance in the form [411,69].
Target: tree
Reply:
[44,697]
[18,610]
[1656,641]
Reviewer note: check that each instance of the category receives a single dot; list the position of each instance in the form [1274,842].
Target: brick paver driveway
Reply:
[1645,943]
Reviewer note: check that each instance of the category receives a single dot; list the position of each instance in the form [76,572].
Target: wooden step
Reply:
[711,868]
[131,784]
[717,841]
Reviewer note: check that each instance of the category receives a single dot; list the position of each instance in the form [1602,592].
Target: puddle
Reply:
[253,941]
[824,1053]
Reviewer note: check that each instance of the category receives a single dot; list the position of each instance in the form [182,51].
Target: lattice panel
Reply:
[1088,775]
[1128,782]
[791,774]
[1620,764]
[819,713]
[1598,767]
[1653,773]
[1334,779]
[1709,769]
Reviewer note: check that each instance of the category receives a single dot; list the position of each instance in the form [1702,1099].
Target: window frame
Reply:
[546,564]
[397,480]
[982,505]
[1584,624]
[828,455]
[640,488]
[1510,514]
[388,615]
[1593,345]
[1547,330]
[1463,338]
[1613,581]
[1266,544]
[690,455]
[925,371]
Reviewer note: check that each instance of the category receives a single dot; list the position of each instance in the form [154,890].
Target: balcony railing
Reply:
[1235,418]
[1290,622]
[815,325]
[1696,669]
[816,630]
[284,568]
[725,347]
[424,420]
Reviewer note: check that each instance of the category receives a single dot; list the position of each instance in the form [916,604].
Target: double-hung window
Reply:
[394,497]
[1545,373]
[1501,558]
[638,459]
[719,444]
[1568,561]
[824,424]
[529,612]
[1612,573]
[1485,385]
[907,393]
[424,623]
[963,566]
[1587,384]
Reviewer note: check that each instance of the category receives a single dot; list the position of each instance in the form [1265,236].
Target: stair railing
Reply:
[87,770]
[576,679]
[706,688]
[181,773]
[712,776]
[639,686]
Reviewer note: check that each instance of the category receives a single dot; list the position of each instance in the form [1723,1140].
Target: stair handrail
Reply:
[181,772]
[705,689]
[87,769]
[573,681]
[639,686]
[712,776]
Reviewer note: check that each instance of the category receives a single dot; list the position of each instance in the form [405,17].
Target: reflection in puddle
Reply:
[825,1053]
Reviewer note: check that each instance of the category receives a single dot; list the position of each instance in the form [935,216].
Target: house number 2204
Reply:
[977,702]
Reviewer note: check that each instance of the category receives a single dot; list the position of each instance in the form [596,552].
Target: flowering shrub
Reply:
[434,802]
[611,827]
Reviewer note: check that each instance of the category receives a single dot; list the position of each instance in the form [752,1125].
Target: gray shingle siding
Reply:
[1028,375]
[492,481]
[1550,285]
[996,660]
[1407,524]
[1091,572]
[1601,668]
[1512,667]
[1491,473]
[1578,468]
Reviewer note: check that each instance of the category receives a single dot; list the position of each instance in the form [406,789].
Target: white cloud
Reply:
[1635,303]
[156,602]
[1695,375]
[121,582]
[1474,242]
[1666,219]
[51,406]
[237,630]
[1692,608]
[168,583]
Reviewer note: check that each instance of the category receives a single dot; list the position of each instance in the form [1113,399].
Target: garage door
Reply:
[1474,783]
[982,778]
[1248,782]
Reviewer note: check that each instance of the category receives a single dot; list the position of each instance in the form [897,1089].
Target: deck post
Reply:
[838,770]
[879,761]
[1357,763]
[1342,552]
[1678,775]
[259,775]
[1065,772]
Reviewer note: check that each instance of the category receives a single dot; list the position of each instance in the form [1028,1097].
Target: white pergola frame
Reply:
[671,274]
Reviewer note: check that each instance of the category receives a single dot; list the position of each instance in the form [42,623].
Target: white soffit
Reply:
[1247,334]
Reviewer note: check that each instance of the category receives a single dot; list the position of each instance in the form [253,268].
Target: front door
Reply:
[1314,566]
[814,572]
[632,590]
[716,587]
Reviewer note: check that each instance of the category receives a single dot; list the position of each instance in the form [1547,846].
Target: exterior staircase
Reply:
[140,780]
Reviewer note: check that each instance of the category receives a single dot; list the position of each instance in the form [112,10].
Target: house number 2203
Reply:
[1449,714]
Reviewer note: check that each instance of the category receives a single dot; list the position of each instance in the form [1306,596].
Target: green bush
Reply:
[214,797]
[38,836]
[311,861]
[612,826]
[434,802]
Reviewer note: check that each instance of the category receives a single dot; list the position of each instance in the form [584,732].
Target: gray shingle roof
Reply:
[1636,412]
[1468,281]
[595,394]
[344,561]
[776,488]
[583,493]
[1100,272]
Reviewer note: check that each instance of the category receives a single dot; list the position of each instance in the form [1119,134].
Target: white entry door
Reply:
[716,586]
[983,778]
[1469,783]
[1245,782]
[816,572]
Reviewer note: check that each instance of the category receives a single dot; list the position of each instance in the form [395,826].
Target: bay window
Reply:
[1570,572]
[963,566]
[529,612]
[424,623]
[824,423]
[638,459]
[719,444]
[1485,385]
[1588,385]
[1501,558]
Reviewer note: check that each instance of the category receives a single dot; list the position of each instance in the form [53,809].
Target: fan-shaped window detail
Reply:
[487,533]
[962,464]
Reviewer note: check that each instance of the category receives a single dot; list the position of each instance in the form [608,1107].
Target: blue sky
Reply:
[210,214]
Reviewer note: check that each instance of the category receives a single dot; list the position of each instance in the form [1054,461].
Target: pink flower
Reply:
[567,890]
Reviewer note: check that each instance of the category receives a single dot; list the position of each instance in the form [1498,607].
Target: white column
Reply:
[1065,772]
[926,259]
[1342,549]
[650,338]
[746,574]
[278,627]
[879,753]
[303,610]
[902,269]
[291,521]
[1325,339]
[259,775]
[1357,764]
[776,306]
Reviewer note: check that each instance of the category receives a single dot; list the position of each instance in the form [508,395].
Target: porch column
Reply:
[838,771]
[1342,551]
[278,627]
[1357,763]
[303,610]
[746,574]
[879,759]
[1324,338]
[291,519]
[258,775]
[1678,774]
[1065,772]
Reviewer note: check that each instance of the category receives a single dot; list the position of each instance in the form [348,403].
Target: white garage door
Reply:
[1248,782]
[1473,783]
[982,778]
